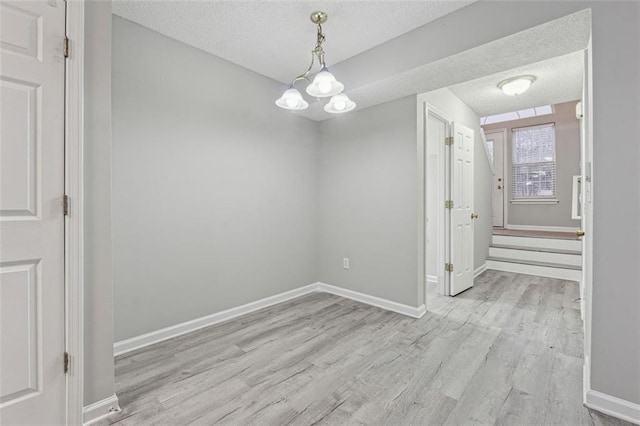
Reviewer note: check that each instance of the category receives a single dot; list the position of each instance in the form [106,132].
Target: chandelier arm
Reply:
[304,75]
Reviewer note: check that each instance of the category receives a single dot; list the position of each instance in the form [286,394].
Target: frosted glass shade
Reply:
[516,86]
[324,85]
[292,99]
[339,104]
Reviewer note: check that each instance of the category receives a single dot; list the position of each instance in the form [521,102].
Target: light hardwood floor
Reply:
[508,351]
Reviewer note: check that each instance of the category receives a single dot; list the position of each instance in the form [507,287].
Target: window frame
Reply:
[534,200]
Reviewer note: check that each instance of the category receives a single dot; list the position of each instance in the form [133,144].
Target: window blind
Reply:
[534,162]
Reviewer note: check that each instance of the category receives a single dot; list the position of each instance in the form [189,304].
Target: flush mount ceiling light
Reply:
[324,84]
[516,85]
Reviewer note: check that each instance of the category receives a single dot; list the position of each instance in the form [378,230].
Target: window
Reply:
[517,115]
[534,163]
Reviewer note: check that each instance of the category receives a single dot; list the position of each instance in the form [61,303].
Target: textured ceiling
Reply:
[553,39]
[557,80]
[274,38]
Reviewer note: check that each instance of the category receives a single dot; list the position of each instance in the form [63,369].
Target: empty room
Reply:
[331,212]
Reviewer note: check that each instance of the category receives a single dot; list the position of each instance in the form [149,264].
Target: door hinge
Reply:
[65,47]
[448,267]
[66,362]
[448,140]
[448,204]
[65,205]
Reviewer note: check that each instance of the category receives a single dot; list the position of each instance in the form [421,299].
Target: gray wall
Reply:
[214,188]
[455,110]
[615,369]
[616,294]
[98,275]
[567,128]
[368,201]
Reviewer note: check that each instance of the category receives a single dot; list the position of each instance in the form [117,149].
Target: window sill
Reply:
[536,201]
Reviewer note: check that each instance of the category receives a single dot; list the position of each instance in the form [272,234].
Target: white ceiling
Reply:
[275,38]
[558,80]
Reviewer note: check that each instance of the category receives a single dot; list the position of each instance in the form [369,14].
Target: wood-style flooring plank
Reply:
[509,351]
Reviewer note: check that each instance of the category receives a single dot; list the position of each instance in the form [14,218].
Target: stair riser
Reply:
[542,271]
[537,256]
[547,243]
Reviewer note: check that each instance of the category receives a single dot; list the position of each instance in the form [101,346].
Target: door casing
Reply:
[74,238]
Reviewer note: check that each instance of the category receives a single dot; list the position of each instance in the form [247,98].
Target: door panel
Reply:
[461,220]
[32,389]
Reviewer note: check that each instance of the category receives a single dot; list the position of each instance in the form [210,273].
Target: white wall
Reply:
[367,201]
[457,111]
[214,188]
[98,273]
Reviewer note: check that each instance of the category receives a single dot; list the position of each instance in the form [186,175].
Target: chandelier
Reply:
[324,84]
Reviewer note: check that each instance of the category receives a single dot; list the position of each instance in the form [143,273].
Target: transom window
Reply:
[534,163]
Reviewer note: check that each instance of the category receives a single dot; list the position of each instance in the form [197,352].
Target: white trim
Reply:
[479,270]
[374,301]
[538,270]
[433,279]
[157,336]
[147,339]
[613,406]
[424,110]
[505,171]
[74,238]
[100,409]
[525,201]
[541,228]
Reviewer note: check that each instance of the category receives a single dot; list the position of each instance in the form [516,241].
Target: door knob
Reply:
[474,216]
[499,186]
[580,233]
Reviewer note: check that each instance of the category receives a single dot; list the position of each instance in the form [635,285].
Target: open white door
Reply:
[462,214]
[32,388]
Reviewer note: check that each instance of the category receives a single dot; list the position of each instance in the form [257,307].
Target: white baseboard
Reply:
[616,407]
[100,409]
[433,279]
[143,340]
[374,301]
[541,228]
[480,269]
[147,339]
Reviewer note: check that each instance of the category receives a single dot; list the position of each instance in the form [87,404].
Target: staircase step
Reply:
[544,255]
[541,249]
[537,242]
[543,269]
[535,263]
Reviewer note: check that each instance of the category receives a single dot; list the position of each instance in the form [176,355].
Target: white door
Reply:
[32,65]
[496,146]
[462,212]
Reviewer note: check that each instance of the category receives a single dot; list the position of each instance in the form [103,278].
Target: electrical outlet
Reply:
[345,263]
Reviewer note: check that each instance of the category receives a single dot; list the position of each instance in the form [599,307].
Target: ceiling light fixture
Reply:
[516,85]
[324,84]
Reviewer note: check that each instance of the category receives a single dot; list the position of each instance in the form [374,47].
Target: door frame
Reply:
[505,171]
[424,109]
[73,229]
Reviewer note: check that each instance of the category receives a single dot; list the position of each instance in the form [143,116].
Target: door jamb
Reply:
[424,109]
[505,173]
[74,243]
